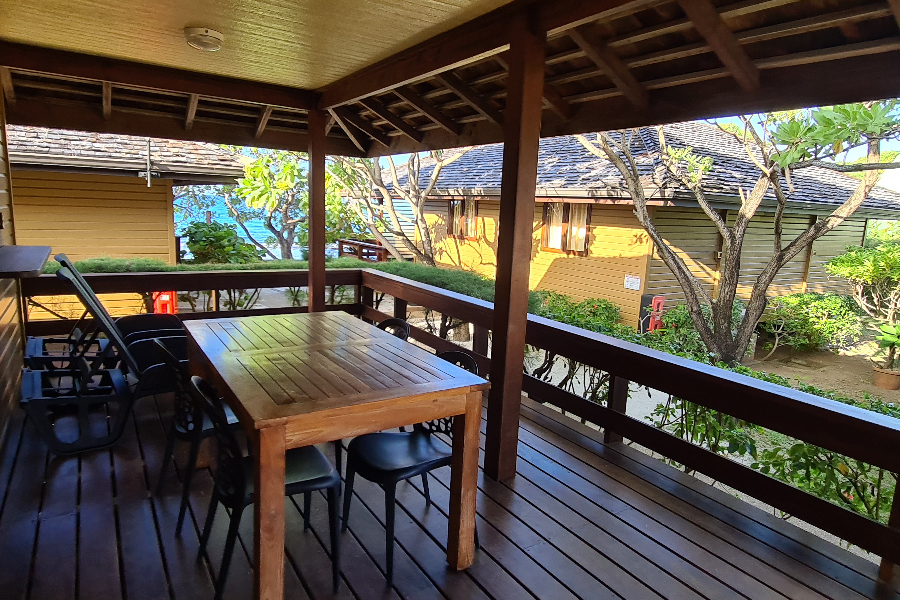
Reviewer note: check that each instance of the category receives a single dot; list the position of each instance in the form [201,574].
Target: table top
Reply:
[287,365]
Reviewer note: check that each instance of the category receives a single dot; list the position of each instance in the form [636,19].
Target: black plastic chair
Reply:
[387,458]
[396,326]
[306,471]
[189,424]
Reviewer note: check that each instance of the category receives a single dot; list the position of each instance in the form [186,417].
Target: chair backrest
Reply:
[188,415]
[396,327]
[231,474]
[445,425]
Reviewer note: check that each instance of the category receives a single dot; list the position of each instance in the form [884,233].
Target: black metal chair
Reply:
[396,326]
[388,458]
[189,423]
[306,471]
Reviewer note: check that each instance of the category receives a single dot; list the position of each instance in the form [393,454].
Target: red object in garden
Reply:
[165,303]
[656,310]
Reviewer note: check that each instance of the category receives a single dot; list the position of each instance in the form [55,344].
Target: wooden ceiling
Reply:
[609,64]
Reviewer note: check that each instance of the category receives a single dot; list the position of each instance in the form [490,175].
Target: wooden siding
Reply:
[851,232]
[11,343]
[478,255]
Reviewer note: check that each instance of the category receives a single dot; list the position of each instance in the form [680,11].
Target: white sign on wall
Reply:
[633,282]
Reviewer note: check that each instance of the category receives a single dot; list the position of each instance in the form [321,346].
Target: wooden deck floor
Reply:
[581,520]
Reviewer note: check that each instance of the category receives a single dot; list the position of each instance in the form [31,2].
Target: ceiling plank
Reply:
[611,65]
[721,39]
[895,8]
[107,100]
[351,133]
[471,97]
[193,102]
[6,82]
[479,38]
[348,116]
[121,72]
[428,109]
[382,111]
[263,120]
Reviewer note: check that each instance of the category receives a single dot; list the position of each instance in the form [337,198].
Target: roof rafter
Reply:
[382,111]
[552,98]
[6,82]
[348,116]
[895,8]
[410,96]
[262,121]
[610,63]
[721,39]
[471,97]
[353,134]
[193,101]
[107,100]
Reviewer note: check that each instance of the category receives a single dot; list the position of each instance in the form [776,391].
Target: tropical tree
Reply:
[778,144]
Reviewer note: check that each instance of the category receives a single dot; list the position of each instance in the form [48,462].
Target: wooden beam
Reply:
[611,65]
[382,111]
[521,134]
[471,97]
[895,8]
[6,82]
[554,100]
[348,116]
[721,39]
[350,132]
[107,100]
[121,72]
[262,121]
[193,102]
[317,122]
[429,110]
[330,123]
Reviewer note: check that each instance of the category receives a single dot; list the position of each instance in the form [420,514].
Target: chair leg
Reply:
[333,497]
[338,458]
[230,538]
[389,509]
[186,481]
[348,495]
[425,488]
[207,526]
[307,506]
[477,543]
[167,456]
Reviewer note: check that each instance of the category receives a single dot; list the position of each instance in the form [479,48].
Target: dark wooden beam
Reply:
[348,116]
[193,102]
[331,122]
[429,110]
[107,100]
[611,65]
[721,39]
[262,121]
[351,133]
[554,100]
[483,36]
[396,121]
[121,72]
[40,112]
[895,8]
[521,134]
[6,82]
[316,125]
[471,97]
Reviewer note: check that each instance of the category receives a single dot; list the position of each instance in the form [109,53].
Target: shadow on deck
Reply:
[581,520]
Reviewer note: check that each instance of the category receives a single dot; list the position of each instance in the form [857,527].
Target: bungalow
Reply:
[588,243]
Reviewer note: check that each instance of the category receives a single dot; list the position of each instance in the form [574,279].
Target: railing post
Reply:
[216,298]
[367,298]
[521,137]
[617,400]
[886,568]
[400,308]
[316,285]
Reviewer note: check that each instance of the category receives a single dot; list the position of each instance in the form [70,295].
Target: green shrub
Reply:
[874,275]
[593,314]
[219,243]
[811,321]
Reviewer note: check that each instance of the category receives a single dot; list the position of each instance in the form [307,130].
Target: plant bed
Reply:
[886,379]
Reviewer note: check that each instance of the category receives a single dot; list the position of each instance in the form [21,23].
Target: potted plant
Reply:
[888,377]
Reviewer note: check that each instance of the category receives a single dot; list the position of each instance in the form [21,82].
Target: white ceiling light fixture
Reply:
[204,38]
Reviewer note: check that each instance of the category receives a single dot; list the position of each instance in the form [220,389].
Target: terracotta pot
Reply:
[886,380]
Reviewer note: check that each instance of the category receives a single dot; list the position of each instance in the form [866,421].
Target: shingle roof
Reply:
[82,150]
[567,169]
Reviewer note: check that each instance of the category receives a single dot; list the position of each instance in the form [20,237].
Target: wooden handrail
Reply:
[363,250]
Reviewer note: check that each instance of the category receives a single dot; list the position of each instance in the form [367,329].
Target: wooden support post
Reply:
[521,136]
[368,298]
[216,298]
[317,122]
[617,400]
[886,568]
[480,340]
[400,308]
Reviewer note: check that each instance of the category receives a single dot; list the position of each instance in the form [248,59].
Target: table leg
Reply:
[269,512]
[464,485]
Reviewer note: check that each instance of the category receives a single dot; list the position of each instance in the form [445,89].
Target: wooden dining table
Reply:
[305,378]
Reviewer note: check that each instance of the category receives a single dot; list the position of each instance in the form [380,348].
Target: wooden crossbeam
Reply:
[351,133]
[107,100]
[895,8]
[348,116]
[262,121]
[552,98]
[428,109]
[609,62]
[193,101]
[721,39]
[471,97]
[6,81]
[382,111]
[330,123]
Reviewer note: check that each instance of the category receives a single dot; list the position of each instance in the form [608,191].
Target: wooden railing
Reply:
[856,433]
[368,251]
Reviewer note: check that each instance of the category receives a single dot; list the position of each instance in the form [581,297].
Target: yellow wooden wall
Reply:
[11,341]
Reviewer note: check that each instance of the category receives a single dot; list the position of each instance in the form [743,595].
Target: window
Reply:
[462,219]
[565,227]
[469,227]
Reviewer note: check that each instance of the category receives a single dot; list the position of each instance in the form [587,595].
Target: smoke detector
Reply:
[203,38]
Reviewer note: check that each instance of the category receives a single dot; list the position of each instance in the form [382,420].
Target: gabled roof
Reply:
[567,170]
[61,149]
